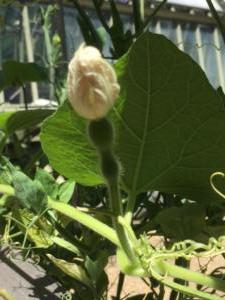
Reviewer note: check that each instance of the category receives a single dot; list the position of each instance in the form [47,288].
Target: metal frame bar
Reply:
[198,39]
[162,14]
[179,37]
[219,61]
[29,48]
[158,27]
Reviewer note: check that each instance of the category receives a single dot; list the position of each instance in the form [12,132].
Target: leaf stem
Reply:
[149,19]
[189,291]
[130,207]
[217,18]
[88,21]
[25,97]
[85,219]
[138,13]
[101,16]
[178,287]
[167,269]
[120,286]
[116,207]
[101,133]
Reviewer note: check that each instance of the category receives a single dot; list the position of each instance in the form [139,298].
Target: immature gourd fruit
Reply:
[92,83]
[101,133]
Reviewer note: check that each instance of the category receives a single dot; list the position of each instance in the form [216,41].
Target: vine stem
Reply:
[101,134]
[85,219]
[167,269]
[116,207]
[130,208]
[189,291]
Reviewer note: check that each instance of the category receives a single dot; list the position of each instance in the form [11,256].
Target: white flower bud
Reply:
[92,83]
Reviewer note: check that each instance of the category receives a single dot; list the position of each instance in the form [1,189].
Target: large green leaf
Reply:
[169,121]
[68,148]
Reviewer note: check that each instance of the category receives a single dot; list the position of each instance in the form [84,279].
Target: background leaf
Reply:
[17,73]
[10,122]
[40,232]
[29,192]
[96,267]
[66,190]
[19,120]
[182,222]
[71,269]
[48,182]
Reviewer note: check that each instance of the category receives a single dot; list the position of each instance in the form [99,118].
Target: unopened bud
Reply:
[92,84]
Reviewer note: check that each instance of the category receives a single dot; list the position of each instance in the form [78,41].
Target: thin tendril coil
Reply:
[186,249]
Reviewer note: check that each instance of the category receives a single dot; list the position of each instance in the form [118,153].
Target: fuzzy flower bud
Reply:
[92,83]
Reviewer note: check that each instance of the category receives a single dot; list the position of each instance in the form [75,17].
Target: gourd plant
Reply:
[165,132]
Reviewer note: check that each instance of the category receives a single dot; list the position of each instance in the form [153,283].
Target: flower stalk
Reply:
[101,134]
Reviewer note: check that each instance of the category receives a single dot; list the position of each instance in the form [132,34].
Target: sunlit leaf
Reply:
[68,149]
[39,233]
[72,269]
[66,190]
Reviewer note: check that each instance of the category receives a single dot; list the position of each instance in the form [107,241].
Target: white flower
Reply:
[92,83]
